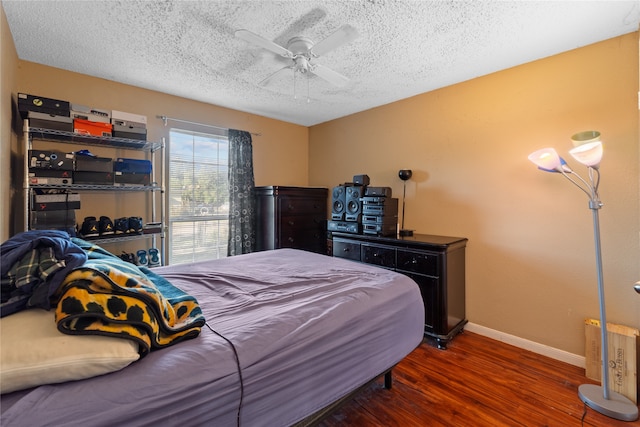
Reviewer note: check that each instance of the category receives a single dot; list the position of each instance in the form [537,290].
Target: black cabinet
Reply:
[291,217]
[435,263]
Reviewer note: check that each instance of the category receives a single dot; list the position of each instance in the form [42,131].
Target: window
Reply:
[198,196]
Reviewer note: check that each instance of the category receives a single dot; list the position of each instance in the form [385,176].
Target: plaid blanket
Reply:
[109,296]
[33,265]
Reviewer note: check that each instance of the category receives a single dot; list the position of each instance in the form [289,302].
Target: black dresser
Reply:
[435,263]
[291,217]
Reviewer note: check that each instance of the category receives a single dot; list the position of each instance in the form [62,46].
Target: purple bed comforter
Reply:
[308,329]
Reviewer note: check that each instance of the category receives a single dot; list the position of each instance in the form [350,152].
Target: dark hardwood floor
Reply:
[477,381]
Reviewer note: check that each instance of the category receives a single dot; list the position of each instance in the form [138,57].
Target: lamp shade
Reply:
[585,137]
[588,154]
[547,159]
[405,174]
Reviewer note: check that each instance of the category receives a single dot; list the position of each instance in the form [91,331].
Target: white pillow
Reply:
[33,352]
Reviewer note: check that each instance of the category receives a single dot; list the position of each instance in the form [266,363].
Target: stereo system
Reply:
[380,215]
[359,208]
[378,191]
[344,226]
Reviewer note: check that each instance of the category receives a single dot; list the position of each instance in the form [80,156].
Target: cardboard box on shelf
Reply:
[41,104]
[88,113]
[94,164]
[122,118]
[50,121]
[87,127]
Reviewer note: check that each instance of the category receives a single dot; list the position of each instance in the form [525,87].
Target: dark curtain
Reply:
[242,230]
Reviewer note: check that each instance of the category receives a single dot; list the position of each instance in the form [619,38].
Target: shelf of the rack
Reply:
[104,141]
[120,238]
[93,187]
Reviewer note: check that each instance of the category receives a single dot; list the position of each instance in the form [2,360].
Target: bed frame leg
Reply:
[388,380]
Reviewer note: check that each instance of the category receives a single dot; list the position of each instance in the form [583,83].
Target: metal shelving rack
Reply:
[110,142]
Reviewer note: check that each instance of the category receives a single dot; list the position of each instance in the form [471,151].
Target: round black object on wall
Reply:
[405,174]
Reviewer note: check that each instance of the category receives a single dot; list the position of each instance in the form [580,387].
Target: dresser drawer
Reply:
[297,231]
[418,262]
[379,255]
[302,222]
[300,206]
[303,238]
[348,250]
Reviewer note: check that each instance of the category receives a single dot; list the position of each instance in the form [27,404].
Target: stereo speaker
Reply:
[361,180]
[378,191]
[338,206]
[353,203]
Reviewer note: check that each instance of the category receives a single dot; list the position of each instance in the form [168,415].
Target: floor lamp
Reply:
[588,151]
[404,175]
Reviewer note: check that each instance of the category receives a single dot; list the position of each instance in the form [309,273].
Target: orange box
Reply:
[87,127]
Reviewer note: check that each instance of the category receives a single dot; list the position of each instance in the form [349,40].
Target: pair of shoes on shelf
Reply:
[128,225]
[128,257]
[154,257]
[121,225]
[143,259]
[91,227]
[150,258]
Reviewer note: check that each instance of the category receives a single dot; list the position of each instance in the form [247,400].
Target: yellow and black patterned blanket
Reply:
[109,296]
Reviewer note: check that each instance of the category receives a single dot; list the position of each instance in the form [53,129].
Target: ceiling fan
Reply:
[303,52]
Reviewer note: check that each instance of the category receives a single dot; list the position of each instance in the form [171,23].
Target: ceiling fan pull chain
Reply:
[295,96]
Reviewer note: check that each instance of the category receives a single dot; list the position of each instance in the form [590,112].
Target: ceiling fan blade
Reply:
[342,35]
[270,78]
[262,42]
[329,75]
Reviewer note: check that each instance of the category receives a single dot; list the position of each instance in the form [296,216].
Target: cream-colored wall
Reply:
[8,141]
[530,258]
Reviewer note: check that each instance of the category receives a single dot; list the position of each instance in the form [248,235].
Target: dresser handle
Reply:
[345,250]
[291,222]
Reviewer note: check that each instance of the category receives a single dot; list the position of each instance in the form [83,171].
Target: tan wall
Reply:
[8,140]
[530,259]
[280,149]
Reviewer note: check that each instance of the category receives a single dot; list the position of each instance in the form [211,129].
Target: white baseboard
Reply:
[545,350]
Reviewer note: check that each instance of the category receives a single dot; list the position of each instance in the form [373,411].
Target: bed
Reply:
[287,334]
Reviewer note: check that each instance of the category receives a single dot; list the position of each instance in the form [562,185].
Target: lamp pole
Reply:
[595,206]
[404,175]
[600,398]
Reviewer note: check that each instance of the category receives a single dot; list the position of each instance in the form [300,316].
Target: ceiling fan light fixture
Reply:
[302,63]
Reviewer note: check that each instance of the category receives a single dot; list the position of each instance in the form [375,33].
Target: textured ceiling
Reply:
[188,48]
